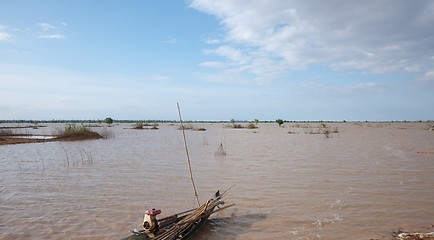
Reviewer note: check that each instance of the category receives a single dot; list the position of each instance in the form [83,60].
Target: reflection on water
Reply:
[361,183]
[34,137]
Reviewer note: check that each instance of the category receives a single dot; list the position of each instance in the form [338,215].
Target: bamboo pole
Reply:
[188,157]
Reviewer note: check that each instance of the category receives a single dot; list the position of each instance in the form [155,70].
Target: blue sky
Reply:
[221,60]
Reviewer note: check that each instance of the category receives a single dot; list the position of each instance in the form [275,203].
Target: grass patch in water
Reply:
[74,132]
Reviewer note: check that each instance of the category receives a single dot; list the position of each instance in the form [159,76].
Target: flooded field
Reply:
[365,181]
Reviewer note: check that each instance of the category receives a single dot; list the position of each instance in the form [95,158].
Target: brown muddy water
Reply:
[361,183]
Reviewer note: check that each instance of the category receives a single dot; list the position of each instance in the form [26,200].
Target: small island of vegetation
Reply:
[71,132]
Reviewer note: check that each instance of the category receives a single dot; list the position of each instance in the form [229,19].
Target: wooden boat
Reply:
[180,226]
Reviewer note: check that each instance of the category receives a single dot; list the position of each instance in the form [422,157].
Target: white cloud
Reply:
[329,90]
[389,36]
[4,36]
[46,26]
[213,64]
[52,36]
[430,74]
[235,55]
[51,31]
[428,77]
[425,81]
[213,41]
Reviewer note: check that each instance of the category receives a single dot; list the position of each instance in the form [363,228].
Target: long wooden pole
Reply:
[188,157]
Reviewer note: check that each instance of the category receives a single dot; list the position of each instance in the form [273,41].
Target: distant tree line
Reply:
[110,120]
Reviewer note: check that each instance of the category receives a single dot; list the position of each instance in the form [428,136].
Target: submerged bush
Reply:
[72,131]
[139,125]
[72,128]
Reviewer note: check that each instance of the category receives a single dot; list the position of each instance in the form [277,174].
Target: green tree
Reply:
[108,120]
[139,125]
[256,121]
[279,121]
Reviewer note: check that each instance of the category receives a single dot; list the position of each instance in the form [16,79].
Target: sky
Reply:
[295,60]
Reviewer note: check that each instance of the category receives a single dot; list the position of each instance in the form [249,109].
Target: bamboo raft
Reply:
[180,226]
[184,225]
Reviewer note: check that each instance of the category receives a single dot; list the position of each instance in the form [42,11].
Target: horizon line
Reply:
[198,121]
